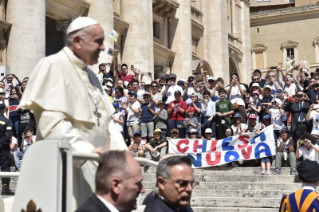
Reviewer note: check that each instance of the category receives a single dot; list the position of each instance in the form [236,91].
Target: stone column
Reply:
[102,11]
[246,46]
[180,36]
[26,44]
[204,42]
[139,50]
[317,53]
[233,17]
[253,58]
[218,30]
[265,59]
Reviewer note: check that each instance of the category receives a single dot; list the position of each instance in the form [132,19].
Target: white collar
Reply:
[309,186]
[107,204]
[78,62]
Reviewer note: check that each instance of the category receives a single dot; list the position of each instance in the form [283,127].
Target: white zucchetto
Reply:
[80,23]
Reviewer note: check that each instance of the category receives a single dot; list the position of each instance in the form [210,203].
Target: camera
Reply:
[12,96]
[291,79]
[273,103]
[302,142]
[273,67]
[279,94]
[132,66]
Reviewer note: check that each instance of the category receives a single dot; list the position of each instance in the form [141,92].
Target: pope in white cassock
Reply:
[69,103]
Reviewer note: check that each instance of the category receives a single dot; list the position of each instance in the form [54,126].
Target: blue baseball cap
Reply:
[116,104]
[137,133]
[133,92]
[237,115]
[284,128]
[180,82]
[266,117]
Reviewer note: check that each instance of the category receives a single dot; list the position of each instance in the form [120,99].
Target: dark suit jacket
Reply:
[156,204]
[93,204]
[293,107]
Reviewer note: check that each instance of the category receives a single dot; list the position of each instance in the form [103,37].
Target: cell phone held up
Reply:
[315,85]
[273,67]
[12,96]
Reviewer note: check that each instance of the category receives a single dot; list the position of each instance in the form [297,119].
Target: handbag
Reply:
[235,105]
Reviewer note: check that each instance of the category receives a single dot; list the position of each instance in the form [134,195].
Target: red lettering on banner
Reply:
[247,153]
[179,143]
[213,146]
[195,146]
[209,158]
[243,138]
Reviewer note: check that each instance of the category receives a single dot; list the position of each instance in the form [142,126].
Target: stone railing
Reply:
[165,8]
[285,11]
[197,15]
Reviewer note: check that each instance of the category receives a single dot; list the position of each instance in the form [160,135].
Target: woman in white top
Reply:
[238,127]
[308,150]
[313,114]
[235,92]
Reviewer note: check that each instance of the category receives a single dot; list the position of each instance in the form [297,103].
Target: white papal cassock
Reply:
[64,95]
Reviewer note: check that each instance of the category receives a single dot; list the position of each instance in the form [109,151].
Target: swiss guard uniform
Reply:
[5,156]
[305,199]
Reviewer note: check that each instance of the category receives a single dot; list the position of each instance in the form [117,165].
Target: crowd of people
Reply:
[152,112]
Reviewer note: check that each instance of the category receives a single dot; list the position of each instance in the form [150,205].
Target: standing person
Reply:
[26,119]
[208,113]
[224,108]
[256,104]
[197,106]
[177,109]
[299,111]
[161,119]
[118,183]
[174,183]
[313,114]
[117,117]
[147,123]
[122,100]
[169,90]
[77,110]
[235,92]
[191,121]
[133,110]
[123,75]
[155,95]
[189,89]
[265,101]
[277,115]
[12,112]
[308,172]
[5,156]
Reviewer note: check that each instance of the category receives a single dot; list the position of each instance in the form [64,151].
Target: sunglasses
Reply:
[154,86]
[193,133]
[208,133]
[256,79]
[146,97]
[174,133]
[228,133]
[184,183]
[271,75]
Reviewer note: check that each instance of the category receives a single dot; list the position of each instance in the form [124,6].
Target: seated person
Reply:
[285,151]
[307,148]
[157,147]
[28,139]
[253,126]
[137,146]
[174,134]
[238,127]
[193,134]
[208,134]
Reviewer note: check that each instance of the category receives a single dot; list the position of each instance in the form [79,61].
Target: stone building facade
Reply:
[285,33]
[154,34]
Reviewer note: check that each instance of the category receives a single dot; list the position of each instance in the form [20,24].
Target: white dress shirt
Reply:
[108,205]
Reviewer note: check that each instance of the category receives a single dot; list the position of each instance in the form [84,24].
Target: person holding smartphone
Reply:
[123,75]
[12,113]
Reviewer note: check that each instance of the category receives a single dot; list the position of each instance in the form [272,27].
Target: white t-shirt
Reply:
[235,95]
[117,117]
[170,92]
[234,128]
[132,118]
[140,94]
[15,142]
[157,97]
[190,91]
[291,89]
[276,118]
[140,146]
[315,122]
[310,154]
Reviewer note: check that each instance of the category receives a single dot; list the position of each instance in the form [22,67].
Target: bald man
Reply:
[69,103]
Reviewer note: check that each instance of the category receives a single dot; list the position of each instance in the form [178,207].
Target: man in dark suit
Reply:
[299,110]
[174,187]
[118,182]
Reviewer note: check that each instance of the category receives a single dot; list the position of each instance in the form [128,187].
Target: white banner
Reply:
[247,146]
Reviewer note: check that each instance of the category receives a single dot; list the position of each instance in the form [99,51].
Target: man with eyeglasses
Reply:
[256,78]
[272,83]
[174,186]
[124,73]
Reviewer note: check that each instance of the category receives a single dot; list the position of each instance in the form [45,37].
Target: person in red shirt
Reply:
[177,109]
[123,75]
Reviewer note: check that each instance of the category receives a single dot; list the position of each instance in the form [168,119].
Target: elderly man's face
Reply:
[90,45]
[177,190]
[130,187]
[120,83]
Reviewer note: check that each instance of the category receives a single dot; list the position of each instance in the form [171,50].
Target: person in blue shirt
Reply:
[147,123]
